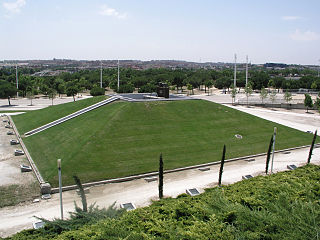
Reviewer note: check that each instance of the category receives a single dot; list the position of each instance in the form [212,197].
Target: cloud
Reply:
[290,18]
[304,36]
[107,11]
[14,7]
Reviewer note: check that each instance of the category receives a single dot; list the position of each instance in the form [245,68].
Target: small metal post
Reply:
[273,147]
[60,187]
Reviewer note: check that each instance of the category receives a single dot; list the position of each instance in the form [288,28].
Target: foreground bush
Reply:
[281,206]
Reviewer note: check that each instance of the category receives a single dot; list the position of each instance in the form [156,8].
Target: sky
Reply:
[284,31]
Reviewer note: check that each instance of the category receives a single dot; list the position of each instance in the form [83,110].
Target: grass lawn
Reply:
[123,138]
[37,118]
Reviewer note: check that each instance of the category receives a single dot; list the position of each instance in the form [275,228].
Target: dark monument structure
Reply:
[163,90]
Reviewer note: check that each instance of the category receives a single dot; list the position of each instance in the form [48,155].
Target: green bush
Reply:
[97,91]
[127,88]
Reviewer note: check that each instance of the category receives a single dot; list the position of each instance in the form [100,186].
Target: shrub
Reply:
[97,91]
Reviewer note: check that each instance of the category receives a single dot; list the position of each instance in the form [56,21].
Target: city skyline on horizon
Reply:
[206,31]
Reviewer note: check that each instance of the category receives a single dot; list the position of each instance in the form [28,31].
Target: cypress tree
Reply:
[221,164]
[160,177]
[268,154]
[312,145]
[82,194]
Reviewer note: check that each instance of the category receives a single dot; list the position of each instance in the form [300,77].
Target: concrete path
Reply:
[20,104]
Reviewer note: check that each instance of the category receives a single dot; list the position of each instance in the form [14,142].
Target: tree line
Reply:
[147,80]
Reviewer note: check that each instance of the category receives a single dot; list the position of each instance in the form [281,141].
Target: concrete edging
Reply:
[151,174]
[27,154]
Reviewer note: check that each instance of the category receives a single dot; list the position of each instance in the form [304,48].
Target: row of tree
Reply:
[143,81]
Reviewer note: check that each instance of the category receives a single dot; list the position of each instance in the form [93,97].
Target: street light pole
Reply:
[60,187]
[100,74]
[235,71]
[118,75]
[247,71]
[17,81]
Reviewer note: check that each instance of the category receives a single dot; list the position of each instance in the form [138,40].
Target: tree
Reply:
[160,177]
[61,89]
[263,94]
[222,164]
[7,90]
[72,91]
[30,94]
[269,154]
[287,97]
[312,145]
[248,92]
[82,194]
[190,88]
[273,96]
[317,102]
[208,84]
[233,94]
[308,101]
[52,94]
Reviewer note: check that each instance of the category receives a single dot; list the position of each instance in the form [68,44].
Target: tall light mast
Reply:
[17,80]
[118,75]
[235,71]
[319,69]
[247,71]
[100,74]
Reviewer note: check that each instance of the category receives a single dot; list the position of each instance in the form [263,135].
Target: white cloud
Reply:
[107,11]
[304,36]
[14,7]
[290,18]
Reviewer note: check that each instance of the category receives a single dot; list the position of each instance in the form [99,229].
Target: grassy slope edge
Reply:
[280,206]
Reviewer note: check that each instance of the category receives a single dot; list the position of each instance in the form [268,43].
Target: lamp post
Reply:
[17,80]
[118,74]
[235,71]
[273,146]
[60,187]
[100,74]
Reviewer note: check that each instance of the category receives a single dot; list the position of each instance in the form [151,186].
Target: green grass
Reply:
[124,138]
[280,206]
[33,119]
[14,194]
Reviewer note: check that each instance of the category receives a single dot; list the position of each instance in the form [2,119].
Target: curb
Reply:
[33,165]
[151,174]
